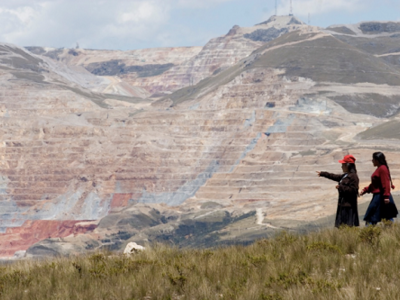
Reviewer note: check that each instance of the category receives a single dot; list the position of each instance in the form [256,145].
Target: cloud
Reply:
[200,4]
[12,20]
[314,7]
[92,23]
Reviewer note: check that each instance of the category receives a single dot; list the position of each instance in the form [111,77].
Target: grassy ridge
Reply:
[349,263]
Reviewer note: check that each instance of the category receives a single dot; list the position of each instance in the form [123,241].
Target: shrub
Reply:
[370,235]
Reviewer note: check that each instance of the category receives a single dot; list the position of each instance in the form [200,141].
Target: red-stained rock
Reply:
[31,232]
[120,200]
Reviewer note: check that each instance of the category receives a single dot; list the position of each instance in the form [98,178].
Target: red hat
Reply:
[348,159]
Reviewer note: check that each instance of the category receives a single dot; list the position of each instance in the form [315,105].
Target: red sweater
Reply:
[380,182]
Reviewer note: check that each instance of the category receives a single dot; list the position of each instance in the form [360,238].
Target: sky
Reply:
[138,24]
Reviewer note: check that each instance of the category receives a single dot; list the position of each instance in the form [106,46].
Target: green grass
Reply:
[328,59]
[388,130]
[371,104]
[290,37]
[342,29]
[377,45]
[346,263]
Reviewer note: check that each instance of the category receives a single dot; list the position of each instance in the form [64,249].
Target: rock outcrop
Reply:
[121,69]
[379,27]
[218,55]
[20,238]
[132,247]
[165,70]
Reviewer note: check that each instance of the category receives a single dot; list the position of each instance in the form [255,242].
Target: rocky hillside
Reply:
[168,69]
[115,66]
[228,158]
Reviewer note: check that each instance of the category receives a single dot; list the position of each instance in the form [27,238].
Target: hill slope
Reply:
[348,263]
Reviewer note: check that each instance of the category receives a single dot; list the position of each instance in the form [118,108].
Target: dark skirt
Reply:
[347,216]
[378,210]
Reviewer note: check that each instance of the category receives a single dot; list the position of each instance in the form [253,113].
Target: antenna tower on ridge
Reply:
[276,7]
[291,8]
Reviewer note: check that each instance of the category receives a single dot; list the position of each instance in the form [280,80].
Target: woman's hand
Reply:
[387,201]
[319,173]
[337,187]
[364,191]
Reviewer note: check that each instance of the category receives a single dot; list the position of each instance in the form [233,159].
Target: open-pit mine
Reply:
[195,146]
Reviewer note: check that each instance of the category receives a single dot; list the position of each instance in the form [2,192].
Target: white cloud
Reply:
[23,14]
[12,20]
[200,3]
[92,23]
[142,12]
[303,7]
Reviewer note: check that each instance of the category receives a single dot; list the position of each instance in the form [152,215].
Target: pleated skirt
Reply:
[378,210]
[347,216]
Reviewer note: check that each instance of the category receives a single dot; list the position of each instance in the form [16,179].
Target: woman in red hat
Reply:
[347,212]
[382,205]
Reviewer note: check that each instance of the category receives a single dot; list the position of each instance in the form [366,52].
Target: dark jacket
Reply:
[348,187]
[347,211]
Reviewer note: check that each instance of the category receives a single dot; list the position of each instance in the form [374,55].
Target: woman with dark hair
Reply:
[347,212]
[382,205]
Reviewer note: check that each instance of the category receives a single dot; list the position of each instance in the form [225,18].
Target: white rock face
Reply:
[132,247]
[20,254]
[130,84]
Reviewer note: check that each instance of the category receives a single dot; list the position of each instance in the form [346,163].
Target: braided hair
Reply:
[381,159]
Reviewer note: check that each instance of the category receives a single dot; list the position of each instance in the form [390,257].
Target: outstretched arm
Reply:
[330,176]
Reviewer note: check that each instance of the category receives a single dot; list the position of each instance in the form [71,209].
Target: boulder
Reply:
[132,247]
